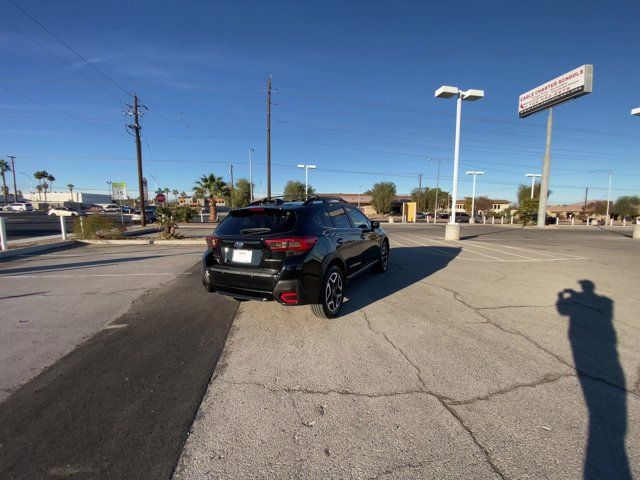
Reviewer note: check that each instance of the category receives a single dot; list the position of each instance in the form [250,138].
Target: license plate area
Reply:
[241,256]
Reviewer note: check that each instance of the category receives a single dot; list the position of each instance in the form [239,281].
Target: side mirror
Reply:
[375,224]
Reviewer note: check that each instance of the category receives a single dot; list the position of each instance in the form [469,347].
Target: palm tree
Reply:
[4,168]
[39,190]
[212,187]
[70,187]
[45,185]
[51,179]
[175,195]
[40,175]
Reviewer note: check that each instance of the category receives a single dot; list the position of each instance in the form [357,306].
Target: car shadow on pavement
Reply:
[593,342]
[407,266]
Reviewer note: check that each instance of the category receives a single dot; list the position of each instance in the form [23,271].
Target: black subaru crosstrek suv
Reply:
[293,252]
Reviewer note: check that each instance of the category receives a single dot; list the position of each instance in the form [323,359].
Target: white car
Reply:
[21,207]
[112,207]
[64,212]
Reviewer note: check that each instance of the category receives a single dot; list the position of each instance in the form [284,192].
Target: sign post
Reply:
[561,89]
[119,191]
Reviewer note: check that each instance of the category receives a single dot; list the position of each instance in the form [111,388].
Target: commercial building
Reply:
[63,198]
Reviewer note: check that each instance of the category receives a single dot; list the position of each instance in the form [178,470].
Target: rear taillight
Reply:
[212,241]
[290,298]
[291,245]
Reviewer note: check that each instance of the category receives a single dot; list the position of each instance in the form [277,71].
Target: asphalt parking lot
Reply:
[513,353]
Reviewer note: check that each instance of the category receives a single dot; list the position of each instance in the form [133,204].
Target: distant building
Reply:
[61,198]
[573,209]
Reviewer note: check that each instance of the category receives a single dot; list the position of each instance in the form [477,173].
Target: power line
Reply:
[62,112]
[55,56]
[69,47]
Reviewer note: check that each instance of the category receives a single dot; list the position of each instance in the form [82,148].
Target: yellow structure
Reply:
[409,210]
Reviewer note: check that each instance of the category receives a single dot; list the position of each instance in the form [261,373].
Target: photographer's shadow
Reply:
[593,343]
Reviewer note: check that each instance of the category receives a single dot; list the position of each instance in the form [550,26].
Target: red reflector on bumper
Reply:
[289,298]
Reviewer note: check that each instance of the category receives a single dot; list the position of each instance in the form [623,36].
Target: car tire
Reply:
[206,281]
[383,261]
[331,294]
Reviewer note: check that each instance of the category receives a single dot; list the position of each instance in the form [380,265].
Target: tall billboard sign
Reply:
[145,189]
[566,87]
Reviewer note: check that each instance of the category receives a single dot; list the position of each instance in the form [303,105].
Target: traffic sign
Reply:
[119,190]
[160,198]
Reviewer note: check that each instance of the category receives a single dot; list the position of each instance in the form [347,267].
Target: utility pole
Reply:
[586,195]
[269,137]
[546,171]
[231,175]
[250,175]
[136,128]
[419,192]
[15,186]
[608,222]
[435,210]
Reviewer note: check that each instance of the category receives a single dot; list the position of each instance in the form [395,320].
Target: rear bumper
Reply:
[252,284]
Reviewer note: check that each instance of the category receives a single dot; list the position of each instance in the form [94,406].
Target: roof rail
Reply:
[316,198]
[268,200]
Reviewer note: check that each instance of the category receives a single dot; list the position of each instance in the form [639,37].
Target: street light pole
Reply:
[452,231]
[608,222]
[306,177]
[475,173]
[251,150]
[533,177]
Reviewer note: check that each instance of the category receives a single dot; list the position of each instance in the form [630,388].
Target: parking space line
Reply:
[449,245]
[539,252]
[478,245]
[436,251]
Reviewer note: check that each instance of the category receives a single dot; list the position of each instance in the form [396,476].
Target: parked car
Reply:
[112,207]
[65,212]
[127,209]
[444,216]
[21,207]
[462,217]
[149,213]
[549,220]
[293,252]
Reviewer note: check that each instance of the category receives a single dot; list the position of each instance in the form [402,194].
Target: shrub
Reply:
[97,227]
[183,213]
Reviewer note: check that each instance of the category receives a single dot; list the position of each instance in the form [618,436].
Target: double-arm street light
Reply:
[306,177]
[475,174]
[452,231]
[533,177]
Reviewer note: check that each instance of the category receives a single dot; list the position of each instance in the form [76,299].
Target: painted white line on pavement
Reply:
[436,251]
[478,245]
[539,252]
[465,249]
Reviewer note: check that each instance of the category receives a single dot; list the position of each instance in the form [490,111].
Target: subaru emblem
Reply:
[238,244]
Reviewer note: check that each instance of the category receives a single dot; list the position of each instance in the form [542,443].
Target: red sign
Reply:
[160,198]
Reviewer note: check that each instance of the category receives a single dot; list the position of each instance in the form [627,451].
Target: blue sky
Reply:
[353,83]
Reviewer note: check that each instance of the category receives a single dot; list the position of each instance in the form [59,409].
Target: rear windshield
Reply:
[257,222]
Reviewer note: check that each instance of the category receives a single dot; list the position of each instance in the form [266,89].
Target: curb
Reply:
[18,252]
[146,241]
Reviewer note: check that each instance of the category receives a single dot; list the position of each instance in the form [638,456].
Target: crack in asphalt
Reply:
[309,391]
[457,296]
[547,378]
[441,399]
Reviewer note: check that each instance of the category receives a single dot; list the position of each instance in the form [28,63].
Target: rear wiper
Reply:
[249,231]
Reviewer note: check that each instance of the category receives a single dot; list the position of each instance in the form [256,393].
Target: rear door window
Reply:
[257,221]
[339,217]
